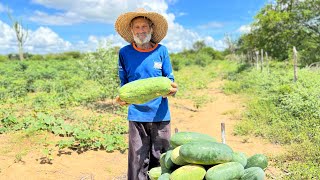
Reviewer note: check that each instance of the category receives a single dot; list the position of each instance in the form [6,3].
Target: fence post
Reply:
[267,61]
[261,58]
[295,64]
[249,57]
[223,133]
[257,59]
[176,130]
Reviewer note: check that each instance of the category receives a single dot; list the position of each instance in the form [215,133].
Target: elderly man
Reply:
[149,123]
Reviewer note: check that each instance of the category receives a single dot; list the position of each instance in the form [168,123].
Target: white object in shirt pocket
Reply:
[157,65]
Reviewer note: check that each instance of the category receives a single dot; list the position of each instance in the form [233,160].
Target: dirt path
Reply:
[101,165]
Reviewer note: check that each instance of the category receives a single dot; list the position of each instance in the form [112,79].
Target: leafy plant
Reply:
[283,112]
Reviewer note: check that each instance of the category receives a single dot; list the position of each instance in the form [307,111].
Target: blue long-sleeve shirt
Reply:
[134,64]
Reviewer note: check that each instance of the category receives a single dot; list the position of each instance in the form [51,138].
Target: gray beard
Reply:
[138,41]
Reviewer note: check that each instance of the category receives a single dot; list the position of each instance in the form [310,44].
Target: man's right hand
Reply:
[119,101]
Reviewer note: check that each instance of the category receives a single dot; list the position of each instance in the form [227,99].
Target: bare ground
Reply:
[22,159]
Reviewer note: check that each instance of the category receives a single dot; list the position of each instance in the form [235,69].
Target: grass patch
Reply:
[284,112]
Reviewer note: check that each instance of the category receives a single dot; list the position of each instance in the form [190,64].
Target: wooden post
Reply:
[267,61]
[252,58]
[223,133]
[261,58]
[257,59]
[295,64]
[248,58]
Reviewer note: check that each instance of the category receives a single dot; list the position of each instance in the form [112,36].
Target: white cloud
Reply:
[44,40]
[181,14]
[178,38]
[171,1]
[7,38]
[94,42]
[217,44]
[244,29]
[211,25]
[67,18]
[83,10]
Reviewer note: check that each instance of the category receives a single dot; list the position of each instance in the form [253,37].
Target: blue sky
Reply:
[64,25]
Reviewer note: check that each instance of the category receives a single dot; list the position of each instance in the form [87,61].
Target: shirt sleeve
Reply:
[166,66]
[122,72]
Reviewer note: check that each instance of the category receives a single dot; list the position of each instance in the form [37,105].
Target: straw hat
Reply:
[160,25]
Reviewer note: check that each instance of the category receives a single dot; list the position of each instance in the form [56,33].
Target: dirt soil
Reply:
[32,165]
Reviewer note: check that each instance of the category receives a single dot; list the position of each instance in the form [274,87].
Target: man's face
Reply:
[141,30]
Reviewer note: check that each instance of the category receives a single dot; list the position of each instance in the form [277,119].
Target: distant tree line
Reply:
[282,24]
[39,57]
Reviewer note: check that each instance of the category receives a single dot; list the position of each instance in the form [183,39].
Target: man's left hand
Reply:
[173,90]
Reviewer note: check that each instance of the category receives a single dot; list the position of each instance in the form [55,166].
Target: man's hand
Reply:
[173,90]
[119,101]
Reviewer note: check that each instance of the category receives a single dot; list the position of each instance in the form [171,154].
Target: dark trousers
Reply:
[147,141]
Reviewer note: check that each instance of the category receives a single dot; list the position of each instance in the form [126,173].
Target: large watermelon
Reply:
[176,157]
[239,157]
[188,172]
[181,138]
[257,160]
[225,171]
[206,153]
[154,173]
[143,90]
[253,173]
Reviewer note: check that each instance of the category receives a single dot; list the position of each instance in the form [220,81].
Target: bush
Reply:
[216,55]
[36,57]
[73,54]
[283,111]
[3,58]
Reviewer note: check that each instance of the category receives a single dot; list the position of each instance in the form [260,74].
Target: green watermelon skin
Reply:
[176,157]
[206,153]
[167,160]
[188,172]
[165,176]
[144,90]
[164,169]
[239,157]
[182,138]
[257,160]
[225,171]
[253,173]
[154,173]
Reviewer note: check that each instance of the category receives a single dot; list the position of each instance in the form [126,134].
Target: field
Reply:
[59,120]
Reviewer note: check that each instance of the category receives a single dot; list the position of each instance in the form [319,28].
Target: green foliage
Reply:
[36,57]
[102,66]
[40,95]
[216,55]
[69,55]
[3,58]
[284,24]
[284,112]
[93,134]
[201,55]
[195,78]
[199,45]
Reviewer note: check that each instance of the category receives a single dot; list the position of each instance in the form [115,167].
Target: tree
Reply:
[231,43]
[199,45]
[21,34]
[102,66]
[280,26]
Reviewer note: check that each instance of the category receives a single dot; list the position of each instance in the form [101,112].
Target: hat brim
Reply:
[160,25]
